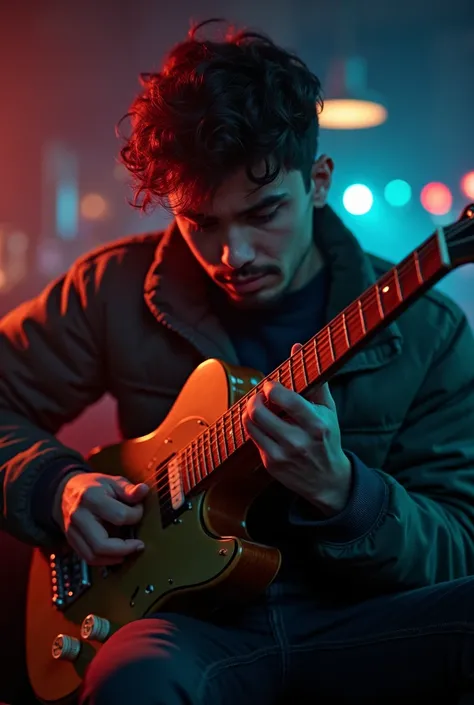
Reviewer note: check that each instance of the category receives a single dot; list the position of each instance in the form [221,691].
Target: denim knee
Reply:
[140,665]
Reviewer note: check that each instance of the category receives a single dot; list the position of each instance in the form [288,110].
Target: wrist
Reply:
[330,502]
[56,510]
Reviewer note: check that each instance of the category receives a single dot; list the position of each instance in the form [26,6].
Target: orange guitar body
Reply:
[195,564]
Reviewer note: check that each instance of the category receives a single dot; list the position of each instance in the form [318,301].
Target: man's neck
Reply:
[311,264]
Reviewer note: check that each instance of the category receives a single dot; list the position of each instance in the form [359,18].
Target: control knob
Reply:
[66,648]
[95,628]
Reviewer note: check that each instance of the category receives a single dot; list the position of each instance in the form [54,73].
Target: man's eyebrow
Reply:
[272,199]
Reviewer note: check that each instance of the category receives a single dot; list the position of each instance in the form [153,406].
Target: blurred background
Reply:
[68,72]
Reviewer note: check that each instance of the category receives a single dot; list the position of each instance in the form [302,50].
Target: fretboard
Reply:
[322,355]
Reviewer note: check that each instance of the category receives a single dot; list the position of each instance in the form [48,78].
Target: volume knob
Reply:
[95,628]
[66,648]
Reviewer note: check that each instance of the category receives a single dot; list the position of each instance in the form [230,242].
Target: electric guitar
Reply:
[204,474]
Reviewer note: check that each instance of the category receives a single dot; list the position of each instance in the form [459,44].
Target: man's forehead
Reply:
[221,209]
[237,194]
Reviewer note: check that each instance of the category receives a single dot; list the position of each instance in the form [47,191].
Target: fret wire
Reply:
[303,367]
[361,316]
[379,301]
[240,429]
[316,354]
[202,453]
[397,284]
[241,425]
[231,430]
[187,479]
[209,449]
[324,349]
[215,443]
[237,435]
[345,329]
[419,275]
[331,346]
[189,459]
[196,460]
[284,371]
[225,452]
[292,374]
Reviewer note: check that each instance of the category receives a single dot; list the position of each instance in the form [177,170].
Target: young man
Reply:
[373,504]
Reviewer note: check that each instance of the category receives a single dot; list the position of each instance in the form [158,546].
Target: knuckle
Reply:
[299,445]
[88,495]
[277,456]
[119,516]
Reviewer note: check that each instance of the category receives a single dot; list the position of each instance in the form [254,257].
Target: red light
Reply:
[467,184]
[436,198]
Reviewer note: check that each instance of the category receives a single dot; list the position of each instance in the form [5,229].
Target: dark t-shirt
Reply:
[263,340]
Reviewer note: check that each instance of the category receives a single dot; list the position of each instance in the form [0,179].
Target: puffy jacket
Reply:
[133,319]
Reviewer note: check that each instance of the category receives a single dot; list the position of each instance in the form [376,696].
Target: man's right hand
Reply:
[85,501]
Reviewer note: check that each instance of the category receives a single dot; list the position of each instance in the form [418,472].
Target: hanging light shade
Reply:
[349,105]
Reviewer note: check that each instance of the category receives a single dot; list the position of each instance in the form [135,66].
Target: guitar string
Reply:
[198,458]
[198,455]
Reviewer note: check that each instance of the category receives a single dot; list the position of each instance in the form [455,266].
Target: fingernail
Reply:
[140,546]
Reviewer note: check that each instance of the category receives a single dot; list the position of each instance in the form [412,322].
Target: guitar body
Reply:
[195,564]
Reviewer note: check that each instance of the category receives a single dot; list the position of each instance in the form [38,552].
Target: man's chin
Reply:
[264,298]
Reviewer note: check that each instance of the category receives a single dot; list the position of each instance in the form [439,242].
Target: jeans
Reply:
[410,647]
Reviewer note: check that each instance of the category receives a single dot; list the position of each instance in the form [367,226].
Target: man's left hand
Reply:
[302,451]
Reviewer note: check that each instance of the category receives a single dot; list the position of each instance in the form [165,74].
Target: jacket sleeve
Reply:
[50,371]
[410,524]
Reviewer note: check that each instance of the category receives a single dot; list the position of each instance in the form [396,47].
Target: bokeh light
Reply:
[358,199]
[436,198]
[398,193]
[93,206]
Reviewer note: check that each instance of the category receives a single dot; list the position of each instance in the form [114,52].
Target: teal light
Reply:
[397,192]
[358,199]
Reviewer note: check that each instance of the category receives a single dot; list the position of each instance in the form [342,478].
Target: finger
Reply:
[80,546]
[118,513]
[292,404]
[129,492]
[321,394]
[268,422]
[296,347]
[268,448]
[100,542]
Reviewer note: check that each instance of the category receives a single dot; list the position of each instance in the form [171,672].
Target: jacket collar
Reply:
[176,292]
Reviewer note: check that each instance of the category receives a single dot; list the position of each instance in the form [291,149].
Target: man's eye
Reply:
[264,217]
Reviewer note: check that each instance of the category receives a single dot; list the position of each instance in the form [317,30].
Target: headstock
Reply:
[460,238]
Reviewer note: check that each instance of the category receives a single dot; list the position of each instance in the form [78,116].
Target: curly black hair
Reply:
[216,107]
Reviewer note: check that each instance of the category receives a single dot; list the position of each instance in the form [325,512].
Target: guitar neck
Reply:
[324,353]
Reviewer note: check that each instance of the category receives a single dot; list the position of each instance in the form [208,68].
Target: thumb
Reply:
[320,394]
[295,348]
[128,492]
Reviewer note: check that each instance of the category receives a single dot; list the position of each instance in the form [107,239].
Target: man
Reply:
[373,504]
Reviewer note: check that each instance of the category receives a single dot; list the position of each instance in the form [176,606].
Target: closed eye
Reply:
[264,217]
[256,219]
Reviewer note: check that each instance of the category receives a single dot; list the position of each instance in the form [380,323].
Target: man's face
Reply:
[258,244]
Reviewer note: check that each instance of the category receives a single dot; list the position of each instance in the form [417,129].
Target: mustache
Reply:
[245,273]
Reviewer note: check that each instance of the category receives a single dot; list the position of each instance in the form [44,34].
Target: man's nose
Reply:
[238,250]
